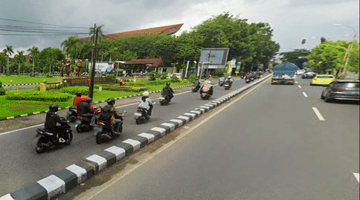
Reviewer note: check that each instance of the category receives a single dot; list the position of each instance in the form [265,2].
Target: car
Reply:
[85,73]
[299,72]
[341,90]
[308,75]
[322,79]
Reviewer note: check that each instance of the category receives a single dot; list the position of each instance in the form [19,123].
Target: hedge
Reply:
[74,89]
[2,91]
[115,87]
[39,96]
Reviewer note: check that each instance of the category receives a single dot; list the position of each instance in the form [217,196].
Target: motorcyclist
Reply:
[222,79]
[168,92]
[77,100]
[51,120]
[197,83]
[207,88]
[110,115]
[84,110]
[229,79]
[146,103]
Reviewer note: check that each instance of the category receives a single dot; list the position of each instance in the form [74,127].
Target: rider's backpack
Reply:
[105,114]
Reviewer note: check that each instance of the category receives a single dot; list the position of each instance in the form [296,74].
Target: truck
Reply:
[284,73]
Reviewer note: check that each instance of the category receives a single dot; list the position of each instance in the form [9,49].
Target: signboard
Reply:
[214,56]
[101,66]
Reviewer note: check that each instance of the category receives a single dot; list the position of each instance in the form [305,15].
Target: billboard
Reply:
[214,56]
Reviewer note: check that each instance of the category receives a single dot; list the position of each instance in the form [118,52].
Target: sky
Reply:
[291,20]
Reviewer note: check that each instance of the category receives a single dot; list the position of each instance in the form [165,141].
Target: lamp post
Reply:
[349,48]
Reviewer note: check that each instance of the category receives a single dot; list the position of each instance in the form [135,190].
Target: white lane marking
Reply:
[356,176]
[299,86]
[296,82]
[318,114]
[106,185]
[305,95]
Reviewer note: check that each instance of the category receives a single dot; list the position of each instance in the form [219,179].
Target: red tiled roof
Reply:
[3,54]
[157,30]
[152,62]
[28,57]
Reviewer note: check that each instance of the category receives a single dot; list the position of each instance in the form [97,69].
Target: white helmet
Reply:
[229,76]
[146,94]
[207,81]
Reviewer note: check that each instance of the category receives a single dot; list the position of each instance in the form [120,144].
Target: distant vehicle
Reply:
[299,72]
[341,90]
[322,79]
[284,73]
[109,70]
[308,75]
[85,73]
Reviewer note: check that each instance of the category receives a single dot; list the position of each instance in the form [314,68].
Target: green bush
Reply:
[192,78]
[39,96]
[116,87]
[37,88]
[0,84]
[174,78]
[49,76]
[152,75]
[74,89]
[164,75]
[2,91]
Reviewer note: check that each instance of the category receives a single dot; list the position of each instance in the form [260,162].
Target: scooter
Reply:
[163,101]
[222,81]
[195,89]
[83,123]
[50,139]
[105,130]
[227,85]
[71,115]
[205,96]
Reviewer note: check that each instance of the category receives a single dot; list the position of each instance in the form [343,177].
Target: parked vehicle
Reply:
[341,90]
[322,79]
[105,130]
[284,73]
[308,74]
[50,139]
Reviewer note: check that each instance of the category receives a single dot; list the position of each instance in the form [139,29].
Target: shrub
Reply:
[37,88]
[174,78]
[2,91]
[164,75]
[38,96]
[152,75]
[0,84]
[116,87]
[74,89]
[192,78]
[49,76]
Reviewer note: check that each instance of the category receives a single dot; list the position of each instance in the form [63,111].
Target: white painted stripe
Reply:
[18,130]
[172,126]
[79,171]
[119,152]
[190,114]
[101,161]
[299,86]
[195,111]
[24,115]
[207,107]
[356,176]
[296,82]
[150,137]
[305,95]
[53,185]
[161,130]
[6,197]
[178,121]
[36,113]
[184,117]
[202,110]
[134,143]
[318,114]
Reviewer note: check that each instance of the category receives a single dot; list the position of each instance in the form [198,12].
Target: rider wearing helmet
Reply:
[167,92]
[77,99]
[85,110]
[146,103]
[51,120]
[229,79]
[197,83]
[109,114]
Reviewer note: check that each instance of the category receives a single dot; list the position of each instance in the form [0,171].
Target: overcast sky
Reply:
[291,20]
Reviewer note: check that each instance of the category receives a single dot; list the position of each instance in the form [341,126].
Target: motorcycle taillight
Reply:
[139,109]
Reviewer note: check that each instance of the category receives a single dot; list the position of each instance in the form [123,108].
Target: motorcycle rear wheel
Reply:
[98,138]
[40,147]
[69,138]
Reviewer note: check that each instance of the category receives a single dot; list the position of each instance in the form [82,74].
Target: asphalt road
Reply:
[21,166]
[268,145]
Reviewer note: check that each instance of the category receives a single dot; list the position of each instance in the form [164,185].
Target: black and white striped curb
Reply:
[20,84]
[63,181]
[102,101]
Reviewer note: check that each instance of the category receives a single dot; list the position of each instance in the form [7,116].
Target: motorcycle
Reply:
[163,101]
[222,81]
[83,123]
[71,115]
[227,85]
[205,96]
[105,130]
[50,139]
[196,88]
[249,77]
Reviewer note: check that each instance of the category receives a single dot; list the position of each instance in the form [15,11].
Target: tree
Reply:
[8,52]
[33,52]
[298,56]
[50,57]
[19,59]
[71,46]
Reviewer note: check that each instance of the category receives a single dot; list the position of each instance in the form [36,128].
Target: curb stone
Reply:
[63,181]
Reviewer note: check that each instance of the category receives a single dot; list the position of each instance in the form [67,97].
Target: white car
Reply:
[300,72]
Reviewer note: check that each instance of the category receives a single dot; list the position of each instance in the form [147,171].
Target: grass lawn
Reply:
[24,79]
[17,107]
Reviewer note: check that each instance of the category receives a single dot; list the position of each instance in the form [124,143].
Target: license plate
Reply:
[137,114]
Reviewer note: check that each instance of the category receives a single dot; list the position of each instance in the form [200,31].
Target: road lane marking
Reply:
[356,176]
[296,82]
[305,95]
[318,114]
[299,86]
[92,194]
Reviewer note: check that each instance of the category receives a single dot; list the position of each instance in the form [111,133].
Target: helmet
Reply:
[53,107]
[229,76]
[146,94]
[168,84]
[89,100]
[208,82]
[111,101]
[78,94]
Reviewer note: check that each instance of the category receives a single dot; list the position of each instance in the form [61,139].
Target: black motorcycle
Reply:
[105,130]
[222,81]
[83,123]
[196,88]
[71,115]
[227,85]
[249,77]
[205,96]
[141,115]
[50,139]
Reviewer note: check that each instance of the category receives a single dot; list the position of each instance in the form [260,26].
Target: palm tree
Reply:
[71,46]
[20,58]
[8,52]
[33,52]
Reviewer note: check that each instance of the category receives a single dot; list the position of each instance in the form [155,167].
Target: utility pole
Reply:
[91,89]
